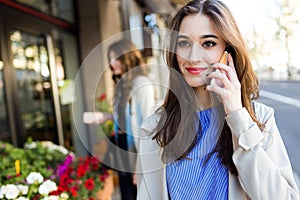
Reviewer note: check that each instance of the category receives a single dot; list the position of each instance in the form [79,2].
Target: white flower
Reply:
[22,198]
[47,187]
[48,144]
[1,192]
[51,146]
[23,189]
[63,150]
[34,177]
[52,197]
[10,191]
[31,145]
[64,196]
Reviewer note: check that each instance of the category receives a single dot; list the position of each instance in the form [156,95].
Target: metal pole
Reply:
[55,91]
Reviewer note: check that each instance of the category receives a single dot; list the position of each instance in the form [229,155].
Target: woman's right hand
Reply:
[229,87]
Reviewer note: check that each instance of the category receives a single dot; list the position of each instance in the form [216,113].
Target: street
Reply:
[284,97]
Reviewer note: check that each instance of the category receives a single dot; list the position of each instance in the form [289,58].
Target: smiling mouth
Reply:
[195,70]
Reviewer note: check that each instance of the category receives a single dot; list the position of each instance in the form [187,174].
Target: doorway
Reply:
[39,63]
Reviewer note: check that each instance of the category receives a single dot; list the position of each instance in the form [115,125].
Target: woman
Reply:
[212,141]
[133,101]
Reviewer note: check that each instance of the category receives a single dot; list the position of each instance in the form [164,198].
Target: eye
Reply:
[112,60]
[209,44]
[183,43]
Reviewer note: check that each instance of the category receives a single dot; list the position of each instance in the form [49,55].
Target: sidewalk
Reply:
[116,195]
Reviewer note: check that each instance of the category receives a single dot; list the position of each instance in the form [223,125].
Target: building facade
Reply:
[45,48]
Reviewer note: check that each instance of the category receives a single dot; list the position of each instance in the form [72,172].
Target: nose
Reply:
[196,53]
[113,64]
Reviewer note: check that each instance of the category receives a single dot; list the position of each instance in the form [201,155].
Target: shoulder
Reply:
[141,80]
[262,111]
[150,123]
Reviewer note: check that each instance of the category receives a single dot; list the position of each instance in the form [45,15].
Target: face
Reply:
[116,65]
[198,46]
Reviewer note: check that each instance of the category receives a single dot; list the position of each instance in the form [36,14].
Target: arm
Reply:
[264,169]
[143,102]
[96,117]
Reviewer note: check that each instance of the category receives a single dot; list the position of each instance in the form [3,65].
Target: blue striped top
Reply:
[191,178]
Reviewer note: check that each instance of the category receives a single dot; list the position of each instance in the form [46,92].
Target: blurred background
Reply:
[45,46]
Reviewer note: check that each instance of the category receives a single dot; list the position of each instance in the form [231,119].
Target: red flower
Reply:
[56,193]
[95,166]
[89,184]
[81,171]
[64,179]
[102,97]
[73,191]
[61,189]
[83,178]
[92,159]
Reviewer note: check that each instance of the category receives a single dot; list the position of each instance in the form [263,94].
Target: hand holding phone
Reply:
[223,60]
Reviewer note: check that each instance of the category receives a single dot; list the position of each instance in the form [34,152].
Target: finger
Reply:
[221,66]
[228,69]
[221,77]
[216,89]
[225,69]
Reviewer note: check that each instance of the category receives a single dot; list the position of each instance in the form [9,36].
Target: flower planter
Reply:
[107,191]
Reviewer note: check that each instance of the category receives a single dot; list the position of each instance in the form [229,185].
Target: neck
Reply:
[204,98]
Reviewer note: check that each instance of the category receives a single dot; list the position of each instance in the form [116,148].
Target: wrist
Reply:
[233,110]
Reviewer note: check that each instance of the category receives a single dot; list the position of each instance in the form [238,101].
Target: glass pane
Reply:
[66,69]
[4,128]
[30,59]
[63,9]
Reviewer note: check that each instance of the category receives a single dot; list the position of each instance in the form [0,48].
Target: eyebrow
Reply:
[202,37]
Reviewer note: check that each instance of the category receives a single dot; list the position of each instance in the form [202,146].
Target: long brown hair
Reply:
[131,60]
[171,125]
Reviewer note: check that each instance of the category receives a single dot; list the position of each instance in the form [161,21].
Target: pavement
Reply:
[116,195]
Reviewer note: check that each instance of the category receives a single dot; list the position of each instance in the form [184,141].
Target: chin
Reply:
[196,83]
[117,73]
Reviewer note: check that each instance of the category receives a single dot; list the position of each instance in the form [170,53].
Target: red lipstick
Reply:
[194,70]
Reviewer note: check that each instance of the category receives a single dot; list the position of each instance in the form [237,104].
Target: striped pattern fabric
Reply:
[191,178]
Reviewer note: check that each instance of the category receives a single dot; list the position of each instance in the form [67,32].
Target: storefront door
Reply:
[31,60]
[35,79]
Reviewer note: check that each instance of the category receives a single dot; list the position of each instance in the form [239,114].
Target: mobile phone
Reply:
[224,58]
